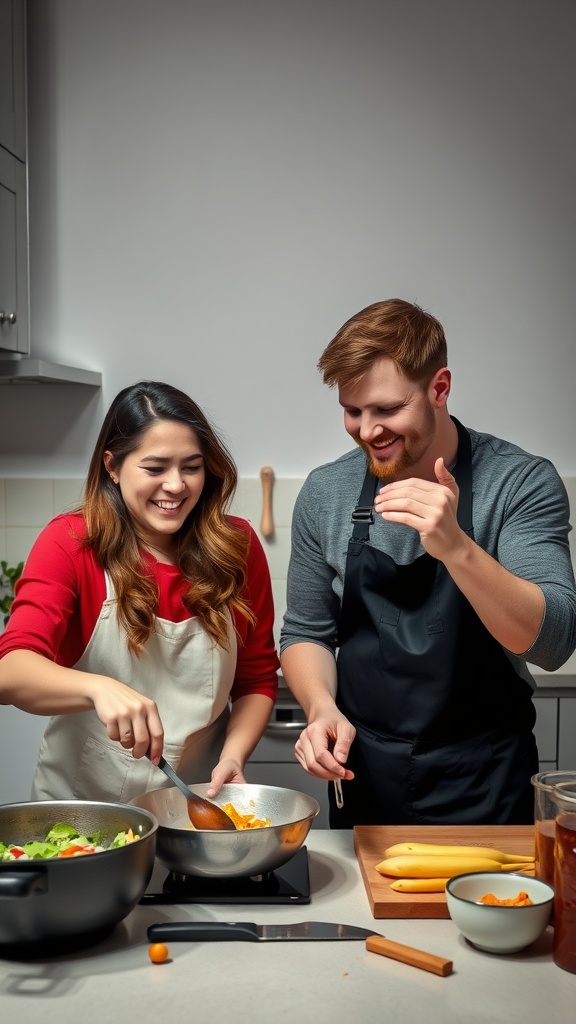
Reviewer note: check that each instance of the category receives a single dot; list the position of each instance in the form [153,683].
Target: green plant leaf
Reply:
[8,579]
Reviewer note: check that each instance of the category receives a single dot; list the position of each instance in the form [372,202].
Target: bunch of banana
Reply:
[426,867]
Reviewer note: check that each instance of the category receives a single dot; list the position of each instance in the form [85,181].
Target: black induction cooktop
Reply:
[290,883]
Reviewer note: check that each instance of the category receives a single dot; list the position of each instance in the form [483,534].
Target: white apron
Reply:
[182,671]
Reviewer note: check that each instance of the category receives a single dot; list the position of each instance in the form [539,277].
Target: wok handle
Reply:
[26,883]
[200,931]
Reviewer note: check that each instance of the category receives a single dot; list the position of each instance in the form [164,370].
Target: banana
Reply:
[437,849]
[419,884]
[435,866]
[521,866]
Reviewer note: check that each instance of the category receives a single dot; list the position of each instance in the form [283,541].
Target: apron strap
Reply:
[363,515]
[463,476]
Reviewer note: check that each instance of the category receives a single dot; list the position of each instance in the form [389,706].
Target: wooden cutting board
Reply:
[370,842]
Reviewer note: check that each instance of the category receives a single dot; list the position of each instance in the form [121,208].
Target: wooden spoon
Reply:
[202,813]
[267,521]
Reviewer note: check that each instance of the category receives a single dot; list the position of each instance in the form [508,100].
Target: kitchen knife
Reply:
[307,931]
[247,931]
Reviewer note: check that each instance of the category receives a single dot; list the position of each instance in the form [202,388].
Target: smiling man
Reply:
[428,565]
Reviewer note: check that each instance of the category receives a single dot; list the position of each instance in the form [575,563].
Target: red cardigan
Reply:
[61,591]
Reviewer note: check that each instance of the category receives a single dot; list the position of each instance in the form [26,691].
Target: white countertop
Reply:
[273,983]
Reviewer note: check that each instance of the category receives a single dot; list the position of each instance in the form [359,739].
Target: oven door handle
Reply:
[291,726]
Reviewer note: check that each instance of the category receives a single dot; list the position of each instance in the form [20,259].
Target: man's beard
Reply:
[393,469]
[415,444]
[389,470]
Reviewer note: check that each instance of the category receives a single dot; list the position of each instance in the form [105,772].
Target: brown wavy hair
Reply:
[408,335]
[211,551]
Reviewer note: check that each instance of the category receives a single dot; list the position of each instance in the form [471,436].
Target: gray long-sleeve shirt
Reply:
[520,517]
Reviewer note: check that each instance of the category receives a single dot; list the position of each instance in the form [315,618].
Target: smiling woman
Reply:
[161,482]
[143,620]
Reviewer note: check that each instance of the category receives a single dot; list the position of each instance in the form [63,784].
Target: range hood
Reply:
[29,370]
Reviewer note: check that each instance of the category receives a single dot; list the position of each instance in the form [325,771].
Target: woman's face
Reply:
[161,481]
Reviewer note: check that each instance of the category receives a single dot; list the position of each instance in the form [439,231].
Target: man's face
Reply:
[392,419]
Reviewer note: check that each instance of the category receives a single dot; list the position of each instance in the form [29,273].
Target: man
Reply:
[428,564]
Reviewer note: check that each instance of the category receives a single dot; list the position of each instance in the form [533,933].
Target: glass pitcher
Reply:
[564,953]
[545,818]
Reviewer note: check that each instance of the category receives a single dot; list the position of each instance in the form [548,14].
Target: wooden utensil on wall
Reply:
[267,521]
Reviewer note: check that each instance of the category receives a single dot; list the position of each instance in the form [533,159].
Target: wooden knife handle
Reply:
[409,955]
[267,521]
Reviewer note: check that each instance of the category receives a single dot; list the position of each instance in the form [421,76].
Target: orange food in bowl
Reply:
[521,900]
[243,821]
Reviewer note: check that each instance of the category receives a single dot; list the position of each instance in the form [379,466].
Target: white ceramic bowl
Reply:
[499,929]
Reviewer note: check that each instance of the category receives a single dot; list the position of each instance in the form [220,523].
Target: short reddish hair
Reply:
[408,335]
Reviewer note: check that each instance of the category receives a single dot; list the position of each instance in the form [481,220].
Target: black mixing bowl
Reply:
[72,898]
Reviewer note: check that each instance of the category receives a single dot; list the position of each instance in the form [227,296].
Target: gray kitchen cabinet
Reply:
[13,77]
[546,731]
[14,332]
[556,727]
[14,335]
[567,733]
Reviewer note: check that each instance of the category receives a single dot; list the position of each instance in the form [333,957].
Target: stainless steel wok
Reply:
[188,851]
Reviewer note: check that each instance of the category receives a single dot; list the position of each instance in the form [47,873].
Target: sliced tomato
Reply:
[71,851]
[16,851]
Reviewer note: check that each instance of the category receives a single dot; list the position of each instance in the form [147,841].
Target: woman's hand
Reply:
[130,718]
[227,770]
[249,717]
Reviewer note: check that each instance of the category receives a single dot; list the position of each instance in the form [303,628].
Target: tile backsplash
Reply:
[26,505]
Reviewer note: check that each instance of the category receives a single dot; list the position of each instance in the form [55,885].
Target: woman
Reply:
[142,622]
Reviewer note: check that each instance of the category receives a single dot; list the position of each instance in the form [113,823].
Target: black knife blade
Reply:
[248,931]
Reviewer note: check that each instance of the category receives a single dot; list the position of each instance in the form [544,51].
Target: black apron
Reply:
[444,723]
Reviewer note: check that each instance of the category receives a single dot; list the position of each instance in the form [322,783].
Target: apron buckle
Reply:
[362,514]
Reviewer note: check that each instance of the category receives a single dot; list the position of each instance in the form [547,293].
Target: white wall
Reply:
[216,185]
